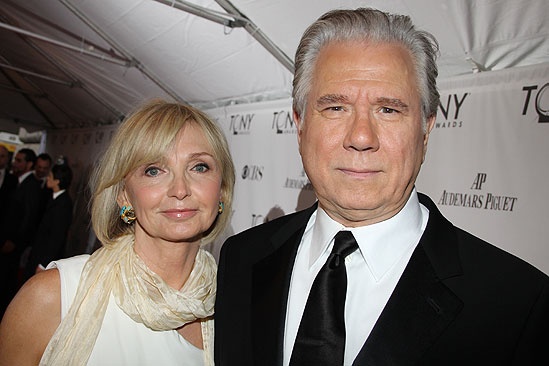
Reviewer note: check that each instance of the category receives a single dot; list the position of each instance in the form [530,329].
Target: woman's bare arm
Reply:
[30,320]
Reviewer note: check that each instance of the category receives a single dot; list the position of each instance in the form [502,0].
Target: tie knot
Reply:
[344,245]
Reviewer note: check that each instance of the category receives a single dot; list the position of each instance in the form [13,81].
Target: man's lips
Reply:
[356,172]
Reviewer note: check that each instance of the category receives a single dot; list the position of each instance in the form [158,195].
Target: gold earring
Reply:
[127,214]
[221,207]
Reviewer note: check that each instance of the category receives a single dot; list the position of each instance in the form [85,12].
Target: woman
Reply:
[163,189]
[52,232]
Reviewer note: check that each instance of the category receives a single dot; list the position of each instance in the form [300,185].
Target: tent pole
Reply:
[64,45]
[259,35]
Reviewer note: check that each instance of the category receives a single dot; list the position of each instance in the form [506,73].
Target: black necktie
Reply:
[321,335]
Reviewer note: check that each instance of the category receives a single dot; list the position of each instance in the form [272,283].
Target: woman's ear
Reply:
[122,199]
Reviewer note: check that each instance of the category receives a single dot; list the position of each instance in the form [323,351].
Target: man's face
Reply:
[361,139]
[4,157]
[42,168]
[19,165]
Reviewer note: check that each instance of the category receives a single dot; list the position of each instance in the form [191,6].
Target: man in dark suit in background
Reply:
[8,182]
[419,291]
[42,169]
[19,225]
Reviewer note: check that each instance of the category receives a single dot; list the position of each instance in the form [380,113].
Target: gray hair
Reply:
[371,25]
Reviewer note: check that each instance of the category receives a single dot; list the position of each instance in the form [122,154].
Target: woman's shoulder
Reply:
[31,319]
[39,296]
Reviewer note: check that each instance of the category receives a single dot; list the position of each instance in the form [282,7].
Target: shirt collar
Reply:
[23,176]
[58,193]
[381,244]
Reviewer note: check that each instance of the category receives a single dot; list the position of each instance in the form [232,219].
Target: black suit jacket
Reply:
[6,193]
[460,301]
[51,236]
[8,186]
[24,213]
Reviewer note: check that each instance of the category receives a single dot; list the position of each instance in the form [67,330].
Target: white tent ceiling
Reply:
[80,63]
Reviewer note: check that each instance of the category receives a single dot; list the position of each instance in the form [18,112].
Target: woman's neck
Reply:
[173,262]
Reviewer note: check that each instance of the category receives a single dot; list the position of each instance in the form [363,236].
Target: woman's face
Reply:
[51,183]
[176,199]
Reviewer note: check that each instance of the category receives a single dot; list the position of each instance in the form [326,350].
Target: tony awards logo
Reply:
[541,101]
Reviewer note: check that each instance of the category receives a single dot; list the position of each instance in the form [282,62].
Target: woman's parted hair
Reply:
[365,24]
[144,137]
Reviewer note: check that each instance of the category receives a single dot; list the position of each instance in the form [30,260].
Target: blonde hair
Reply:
[144,137]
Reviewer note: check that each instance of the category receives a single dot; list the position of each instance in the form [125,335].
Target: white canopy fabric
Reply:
[77,63]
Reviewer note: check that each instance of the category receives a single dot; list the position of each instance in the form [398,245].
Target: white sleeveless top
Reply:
[122,341]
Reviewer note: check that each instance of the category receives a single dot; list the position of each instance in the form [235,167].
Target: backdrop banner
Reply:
[487,161]
[486,165]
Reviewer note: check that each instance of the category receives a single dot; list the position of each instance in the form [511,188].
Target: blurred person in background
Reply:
[19,224]
[51,236]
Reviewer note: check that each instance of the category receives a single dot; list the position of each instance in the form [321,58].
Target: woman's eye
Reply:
[152,171]
[201,168]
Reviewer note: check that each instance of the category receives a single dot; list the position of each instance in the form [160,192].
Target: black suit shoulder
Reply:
[10,183]
[260,239]
[505,312]
[444,241]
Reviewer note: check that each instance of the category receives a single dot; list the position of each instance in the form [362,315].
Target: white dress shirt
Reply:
[58,193]
[22,177]
[372,271]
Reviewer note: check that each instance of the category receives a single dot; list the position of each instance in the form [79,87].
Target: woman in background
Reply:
[51,236]
[162,190]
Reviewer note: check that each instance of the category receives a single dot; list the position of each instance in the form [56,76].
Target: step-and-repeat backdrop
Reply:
[487,162]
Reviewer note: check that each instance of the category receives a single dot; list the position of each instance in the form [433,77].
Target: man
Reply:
[20,225]
[419,291]
[42,169]
[8,182]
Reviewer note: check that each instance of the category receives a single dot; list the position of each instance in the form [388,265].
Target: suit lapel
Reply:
[270,286]
[419,309]
[421,306]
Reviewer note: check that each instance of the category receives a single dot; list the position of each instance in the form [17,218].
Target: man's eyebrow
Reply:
[392,102]
[328,99]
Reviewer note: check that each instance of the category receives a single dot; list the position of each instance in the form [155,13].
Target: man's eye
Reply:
[388,110]
[201,168]
[152,171]
[332,112]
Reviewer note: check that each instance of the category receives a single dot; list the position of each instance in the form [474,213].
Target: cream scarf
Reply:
[140,293]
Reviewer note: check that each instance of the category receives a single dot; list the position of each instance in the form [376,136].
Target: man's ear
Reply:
[430,125]
[298,124]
